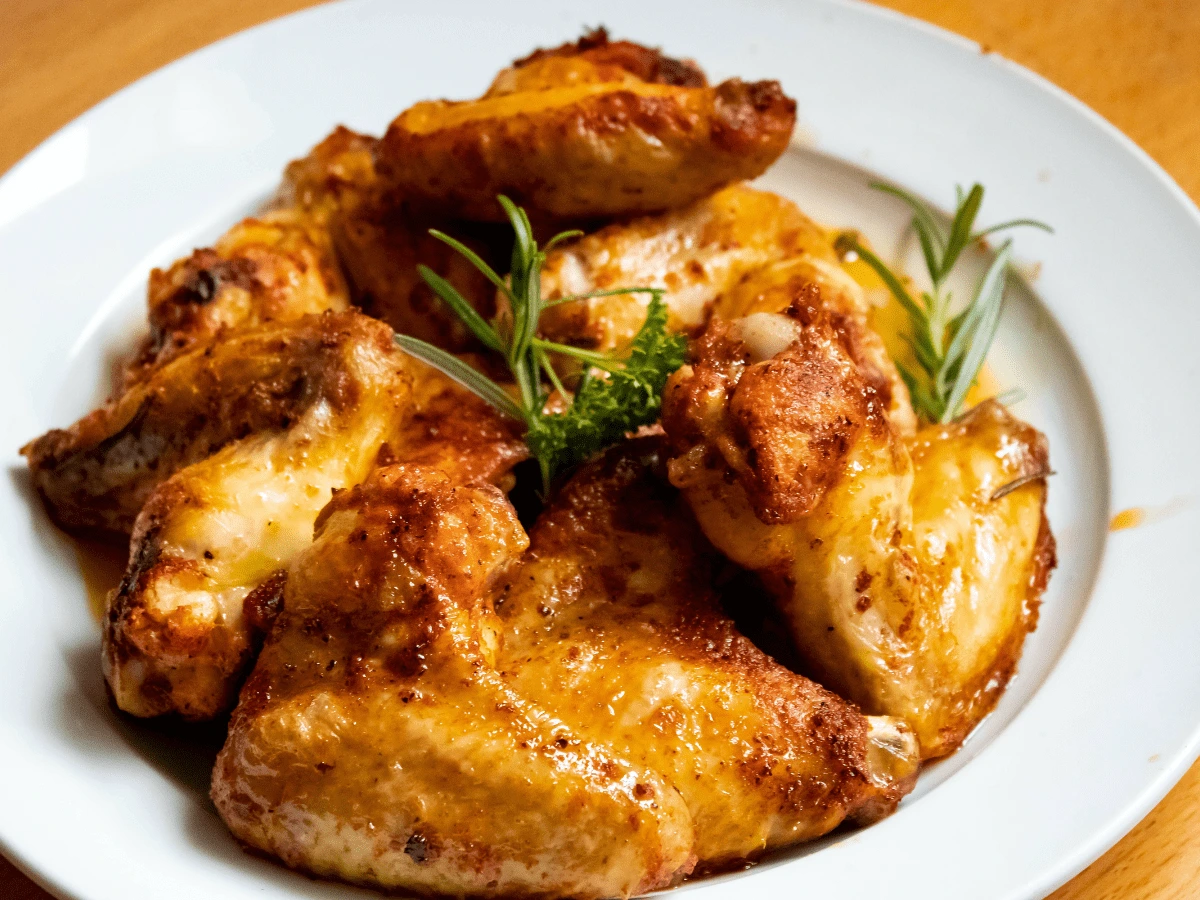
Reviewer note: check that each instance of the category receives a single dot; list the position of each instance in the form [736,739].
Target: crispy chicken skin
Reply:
[98,474]
[375,741]
[813,284]
[908,588]
[336,176]
[273,268]
[740,251]
[594,59]
[611,624]
[450,429]
[304,410]
[583,134]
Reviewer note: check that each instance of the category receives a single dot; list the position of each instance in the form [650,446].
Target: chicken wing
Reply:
[298,410]
[375,742]
[308,409]
[909,578]
[610,623]
[273,268]
[98,474]
[582,134]
[336,177]
[738,252]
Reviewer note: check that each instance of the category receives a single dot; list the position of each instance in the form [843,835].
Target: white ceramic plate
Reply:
[1104,715]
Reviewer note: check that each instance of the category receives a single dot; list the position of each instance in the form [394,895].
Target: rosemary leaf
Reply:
[453,367]
[989,300]
[473,320]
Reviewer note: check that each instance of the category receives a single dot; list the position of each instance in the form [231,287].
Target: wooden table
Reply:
[1135,61]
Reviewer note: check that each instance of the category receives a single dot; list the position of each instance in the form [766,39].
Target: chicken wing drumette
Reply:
[910,579]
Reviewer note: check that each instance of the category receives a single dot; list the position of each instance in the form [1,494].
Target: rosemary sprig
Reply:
[614,395]
[950,349]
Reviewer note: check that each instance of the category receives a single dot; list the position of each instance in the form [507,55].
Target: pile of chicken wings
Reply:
[428,692]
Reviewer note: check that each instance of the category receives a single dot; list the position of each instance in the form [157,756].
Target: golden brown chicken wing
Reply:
[695,254]
[908,577]
[375,741]
[328,398]
[272,422]
[273,268]
[575,136]
[98,474]
[610,623]
[336,176]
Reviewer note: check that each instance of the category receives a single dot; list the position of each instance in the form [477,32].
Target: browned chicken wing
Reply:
[908,580]
[610,623]
[587,132]
[272,422]
[375,741]
[336,176]
[274,268]
[98,474]
[740,251]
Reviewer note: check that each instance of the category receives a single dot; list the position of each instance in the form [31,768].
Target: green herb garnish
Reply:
[949,349]
[614,395]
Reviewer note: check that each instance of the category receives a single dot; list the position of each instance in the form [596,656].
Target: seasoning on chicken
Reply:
[909,583]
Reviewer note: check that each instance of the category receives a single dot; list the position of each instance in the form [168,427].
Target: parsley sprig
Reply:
[950,349]
[613,396]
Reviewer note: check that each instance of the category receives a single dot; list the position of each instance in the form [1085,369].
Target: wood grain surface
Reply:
[1135,61]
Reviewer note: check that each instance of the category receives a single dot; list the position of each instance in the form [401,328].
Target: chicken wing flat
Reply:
[375,742]
[610,623]
[98,474]
[581,134]
[909,578]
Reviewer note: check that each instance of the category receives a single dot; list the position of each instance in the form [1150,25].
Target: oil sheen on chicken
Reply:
[909,582]
[376,742]
[611,624]
[580,134]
